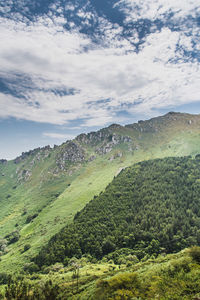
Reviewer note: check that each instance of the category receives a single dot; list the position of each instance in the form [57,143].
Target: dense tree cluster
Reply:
[151,207]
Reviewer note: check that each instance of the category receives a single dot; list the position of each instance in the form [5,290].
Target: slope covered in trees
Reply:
[42,190]
[151,207]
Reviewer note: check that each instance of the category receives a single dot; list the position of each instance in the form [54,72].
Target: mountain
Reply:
[42,190]
[150,207]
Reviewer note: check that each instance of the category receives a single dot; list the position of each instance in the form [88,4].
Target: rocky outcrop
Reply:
[111,142]
[30,160]
[38,151]
[24,175]
[93,138]
[119,154]
[91,158]
[70,153]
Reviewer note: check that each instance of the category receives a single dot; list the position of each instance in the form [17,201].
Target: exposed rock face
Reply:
[103,140]
[91,158]
[71,152]
[119,154]
[45,151]
[37,155]
[94,138]
[111,142]
[24,175]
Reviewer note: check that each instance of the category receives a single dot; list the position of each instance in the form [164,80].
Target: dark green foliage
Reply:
[195,253]
[49,292]
[151,207]
[17,289]
[31,267]
[13,237]
[3,278]
[121,286]
[27,247]
[172,277]
[20,289]
[30,218]
[122,256]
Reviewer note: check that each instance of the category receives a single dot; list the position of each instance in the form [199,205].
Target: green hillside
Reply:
[151,207]
[42,190]
[168,277]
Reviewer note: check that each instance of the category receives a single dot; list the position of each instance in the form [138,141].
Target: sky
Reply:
[69,66]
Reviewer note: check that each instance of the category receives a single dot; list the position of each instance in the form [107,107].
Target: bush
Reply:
[194,252]
[31,268]
[177,266]
[30,218]
[3,278]
[19,288]
[13,237]
[27,247]
[121,286]
[66,261]
[3,246]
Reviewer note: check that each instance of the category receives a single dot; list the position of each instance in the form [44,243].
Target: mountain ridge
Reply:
[42,190]
[85,136]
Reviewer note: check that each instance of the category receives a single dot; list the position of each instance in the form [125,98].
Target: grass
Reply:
[57,197]
[174,277]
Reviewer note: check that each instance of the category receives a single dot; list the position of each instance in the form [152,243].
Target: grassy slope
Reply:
[173,138]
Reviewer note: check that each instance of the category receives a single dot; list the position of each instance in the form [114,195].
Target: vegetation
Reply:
[195,254]
[20,289]
[173,276]
[151,208]
[42,190]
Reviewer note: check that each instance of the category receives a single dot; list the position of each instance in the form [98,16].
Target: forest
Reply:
[150,208]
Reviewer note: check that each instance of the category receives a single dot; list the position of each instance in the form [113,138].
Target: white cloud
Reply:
[59,136]
[155,9]
[157,76]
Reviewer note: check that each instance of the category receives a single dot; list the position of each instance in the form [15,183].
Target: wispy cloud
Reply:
[67,71]
[59,136]
[157,9]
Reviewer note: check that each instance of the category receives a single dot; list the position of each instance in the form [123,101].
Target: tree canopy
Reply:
[150,207]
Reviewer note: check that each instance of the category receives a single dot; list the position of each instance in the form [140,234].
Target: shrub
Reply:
[194,252]
[66,261]
[27,247]
[19,288]
[3,278]
[13,237]
[126,285]
[30,218]
[31,268]
[3,246]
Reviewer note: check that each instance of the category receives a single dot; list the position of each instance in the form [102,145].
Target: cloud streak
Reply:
[59,136]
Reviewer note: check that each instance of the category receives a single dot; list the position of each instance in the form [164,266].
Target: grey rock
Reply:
[91,158]
[71,152]
[115,139]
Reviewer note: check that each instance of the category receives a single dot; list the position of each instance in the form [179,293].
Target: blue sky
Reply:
[68,67]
